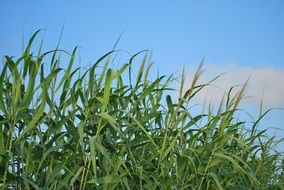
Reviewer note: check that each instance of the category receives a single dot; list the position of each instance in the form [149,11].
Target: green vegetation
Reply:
[70,128]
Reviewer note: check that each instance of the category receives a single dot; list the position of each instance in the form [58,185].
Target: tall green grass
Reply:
[69,128]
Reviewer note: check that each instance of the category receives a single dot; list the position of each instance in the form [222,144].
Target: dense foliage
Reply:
[103,128]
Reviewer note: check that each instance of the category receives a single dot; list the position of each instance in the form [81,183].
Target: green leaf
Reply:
[17,82]
[2,142]
[216,180]
[29,92]
[104,68]
[107,90]
[143,129]
[93,155]
[75,177]
[107,180]
[38,113]
[55,172]
[2,104]
[68,70]
[230,159]
[111,121]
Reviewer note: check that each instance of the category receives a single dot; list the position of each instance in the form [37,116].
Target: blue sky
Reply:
[179,32]
[239,37]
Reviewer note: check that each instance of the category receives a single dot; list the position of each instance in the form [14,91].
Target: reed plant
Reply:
[105,128]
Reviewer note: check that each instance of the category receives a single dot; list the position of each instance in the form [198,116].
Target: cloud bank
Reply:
[265,84]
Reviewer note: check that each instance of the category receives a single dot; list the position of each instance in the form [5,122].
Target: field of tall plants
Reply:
[64,127]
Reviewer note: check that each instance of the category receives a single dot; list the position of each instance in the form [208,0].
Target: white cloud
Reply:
[264,83]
